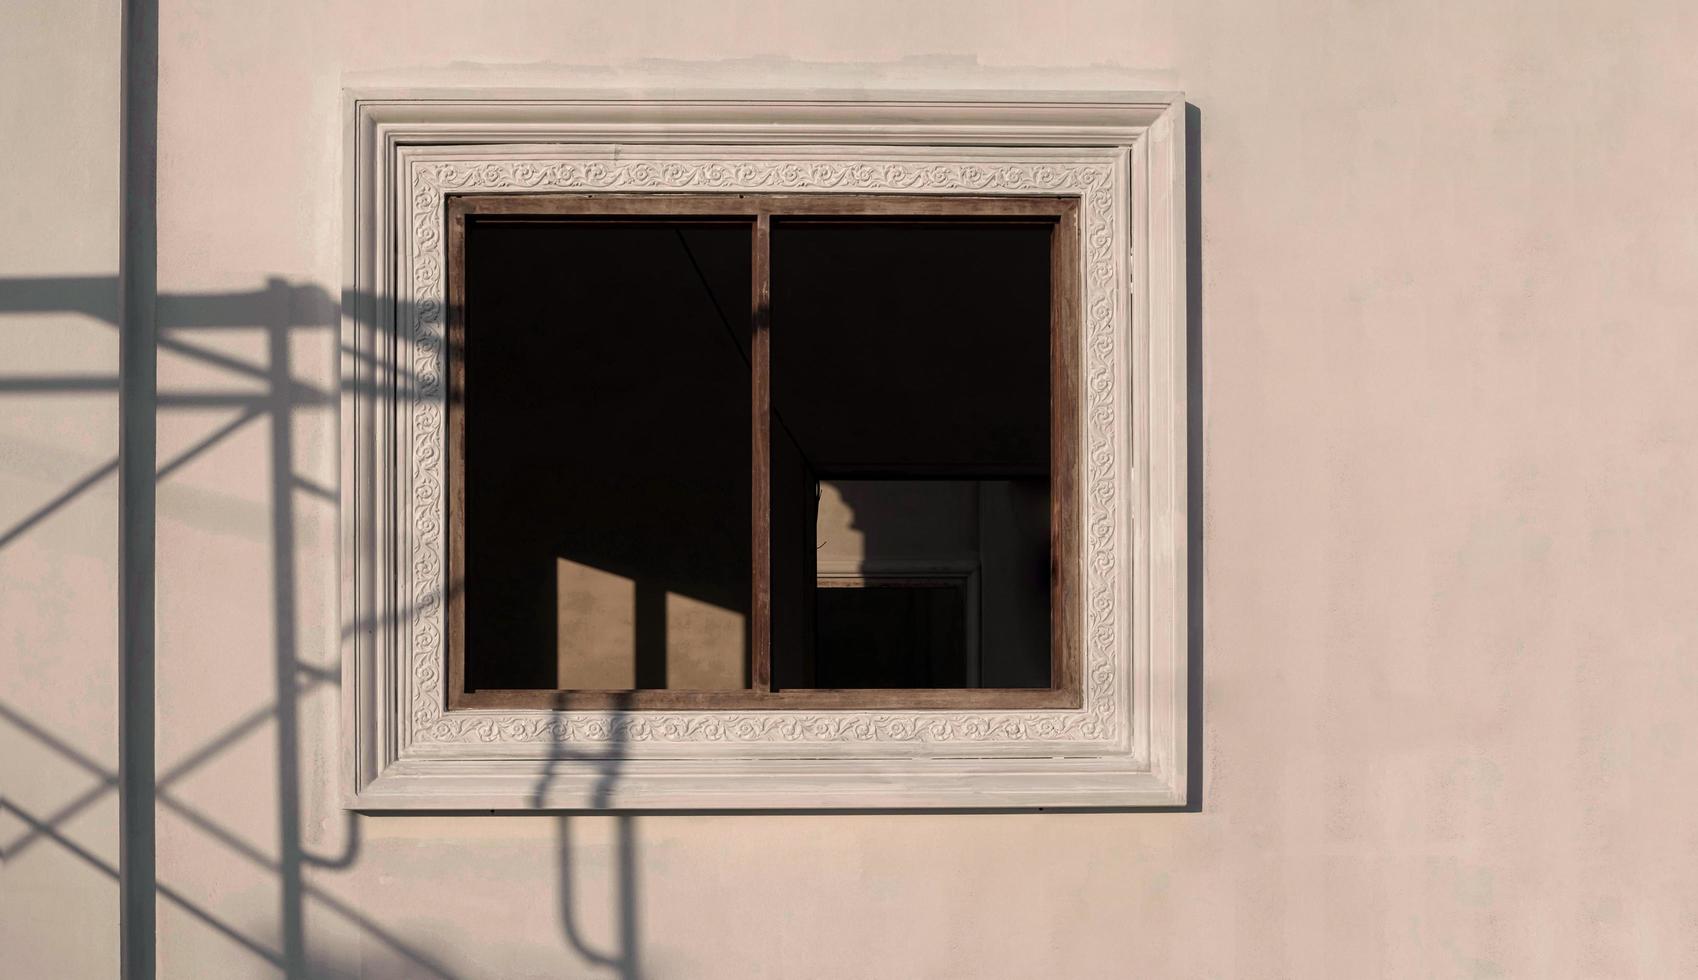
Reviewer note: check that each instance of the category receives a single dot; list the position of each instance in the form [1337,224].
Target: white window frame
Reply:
[1126,746]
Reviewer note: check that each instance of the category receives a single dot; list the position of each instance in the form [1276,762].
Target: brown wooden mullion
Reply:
[760,386]
[1066,420]
[455,338]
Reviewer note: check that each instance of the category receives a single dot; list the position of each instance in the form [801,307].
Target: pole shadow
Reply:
[268,390]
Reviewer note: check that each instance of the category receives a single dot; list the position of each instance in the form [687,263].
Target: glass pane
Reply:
[911,448]
[607,483]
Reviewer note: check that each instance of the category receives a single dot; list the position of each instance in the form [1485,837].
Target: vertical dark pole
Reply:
[760,362]
[137,388]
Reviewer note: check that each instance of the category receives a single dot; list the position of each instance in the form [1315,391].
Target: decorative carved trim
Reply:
[1124,745]
[432,181]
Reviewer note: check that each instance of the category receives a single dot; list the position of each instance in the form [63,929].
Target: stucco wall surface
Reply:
[59,70]
[1450,436]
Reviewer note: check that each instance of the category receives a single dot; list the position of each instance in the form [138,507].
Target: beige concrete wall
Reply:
[58,489]
[1448,309]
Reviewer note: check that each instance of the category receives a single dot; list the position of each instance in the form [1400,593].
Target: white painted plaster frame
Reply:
[1126,746]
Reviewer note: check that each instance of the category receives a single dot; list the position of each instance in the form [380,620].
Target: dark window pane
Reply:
[909,635]
[910,367]
[607,464]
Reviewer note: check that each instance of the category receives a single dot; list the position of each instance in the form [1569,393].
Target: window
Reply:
[724,454]
[744,450]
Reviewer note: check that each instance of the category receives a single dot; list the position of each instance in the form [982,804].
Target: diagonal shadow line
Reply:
[224,739]
[327,675]
[165,891]
[234,365]
[53,742]
[81,486]
[109,780]
[47,829]
[70,493]
[731,334]
[217,832]
[315,490]
[304,391]
[206,355]
[53,820]
[192,312]
[282,394]
[398,372]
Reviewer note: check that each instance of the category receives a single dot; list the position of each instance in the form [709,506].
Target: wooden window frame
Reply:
[1121,156]
[760,212]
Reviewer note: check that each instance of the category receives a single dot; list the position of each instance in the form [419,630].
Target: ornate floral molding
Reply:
[431,182]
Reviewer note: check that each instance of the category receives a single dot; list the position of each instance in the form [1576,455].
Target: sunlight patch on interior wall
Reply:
[704,645]
[596,640]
